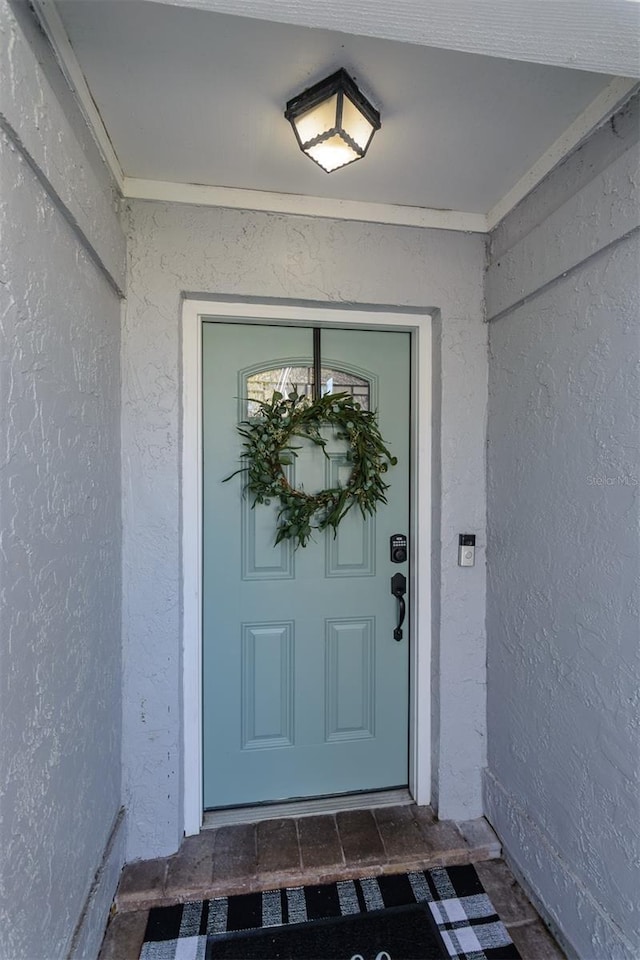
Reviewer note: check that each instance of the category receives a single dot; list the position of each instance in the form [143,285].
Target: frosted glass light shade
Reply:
[333,121]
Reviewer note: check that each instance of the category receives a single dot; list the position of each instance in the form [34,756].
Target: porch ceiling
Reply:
[196,96]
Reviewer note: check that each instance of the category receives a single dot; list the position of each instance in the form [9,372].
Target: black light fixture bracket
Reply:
[340,80]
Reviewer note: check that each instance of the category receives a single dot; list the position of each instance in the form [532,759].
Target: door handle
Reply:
[398,590]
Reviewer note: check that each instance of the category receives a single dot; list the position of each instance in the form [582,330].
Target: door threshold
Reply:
[305,808]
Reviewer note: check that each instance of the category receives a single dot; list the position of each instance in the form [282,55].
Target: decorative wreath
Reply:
[268,449]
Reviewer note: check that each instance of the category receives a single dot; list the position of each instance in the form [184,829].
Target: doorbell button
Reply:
[466,549]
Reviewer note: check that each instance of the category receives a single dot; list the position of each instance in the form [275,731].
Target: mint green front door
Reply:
[305,690]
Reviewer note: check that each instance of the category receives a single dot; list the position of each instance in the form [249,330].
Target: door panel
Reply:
[350,692]
[267,697]
[305,690]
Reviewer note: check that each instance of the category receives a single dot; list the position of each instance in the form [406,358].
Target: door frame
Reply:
[195,312]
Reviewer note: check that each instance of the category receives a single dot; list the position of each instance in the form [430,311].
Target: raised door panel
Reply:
[350,687]
[267,685]
[351,551]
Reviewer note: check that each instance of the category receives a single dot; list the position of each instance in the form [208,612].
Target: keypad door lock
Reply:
[398,548]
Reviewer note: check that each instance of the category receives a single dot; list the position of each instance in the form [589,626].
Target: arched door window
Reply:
[262,386]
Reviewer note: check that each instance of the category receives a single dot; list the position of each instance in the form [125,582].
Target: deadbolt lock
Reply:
[398,548]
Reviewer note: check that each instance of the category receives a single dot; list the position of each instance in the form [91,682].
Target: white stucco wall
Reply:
[563,621]
[60,559]
[176,249]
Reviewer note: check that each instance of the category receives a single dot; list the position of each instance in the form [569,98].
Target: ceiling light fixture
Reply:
[333,121]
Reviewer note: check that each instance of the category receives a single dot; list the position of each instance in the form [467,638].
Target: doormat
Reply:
[465,919]
[408,932]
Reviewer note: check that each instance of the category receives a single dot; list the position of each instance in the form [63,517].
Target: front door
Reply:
[305,689]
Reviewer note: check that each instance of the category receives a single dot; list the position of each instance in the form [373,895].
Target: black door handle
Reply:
[398,589]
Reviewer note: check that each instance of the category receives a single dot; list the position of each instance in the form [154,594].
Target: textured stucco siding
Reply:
[37,111]
[176,249]
[563,620]
[60,563]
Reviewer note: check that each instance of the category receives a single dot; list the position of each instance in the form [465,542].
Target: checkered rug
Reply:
[465,917]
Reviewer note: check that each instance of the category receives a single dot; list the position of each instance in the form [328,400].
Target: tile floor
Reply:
[320,849]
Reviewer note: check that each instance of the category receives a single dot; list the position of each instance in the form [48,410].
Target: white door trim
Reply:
[418,323]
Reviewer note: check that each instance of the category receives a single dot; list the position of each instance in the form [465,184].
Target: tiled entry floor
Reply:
[320,849]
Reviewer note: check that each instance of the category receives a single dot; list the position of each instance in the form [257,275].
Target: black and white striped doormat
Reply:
[465,917]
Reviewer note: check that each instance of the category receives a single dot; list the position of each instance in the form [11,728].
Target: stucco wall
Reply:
[60,543]
[563,623]
[175,249]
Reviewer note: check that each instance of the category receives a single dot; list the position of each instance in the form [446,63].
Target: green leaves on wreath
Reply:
[268,448]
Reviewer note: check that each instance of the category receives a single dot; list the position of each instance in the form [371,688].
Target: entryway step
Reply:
[249,857]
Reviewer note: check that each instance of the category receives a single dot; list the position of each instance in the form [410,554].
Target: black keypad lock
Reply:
[398,548]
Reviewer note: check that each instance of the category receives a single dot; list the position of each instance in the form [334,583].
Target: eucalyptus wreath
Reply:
[268,449]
